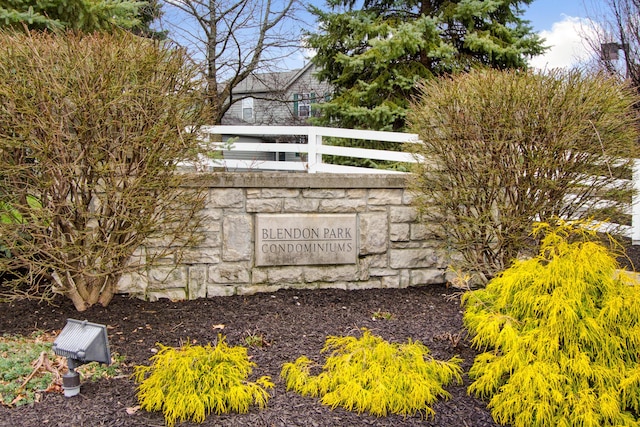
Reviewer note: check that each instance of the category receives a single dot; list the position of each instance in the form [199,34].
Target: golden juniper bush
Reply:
[371,374]
[560,335]
[190,382]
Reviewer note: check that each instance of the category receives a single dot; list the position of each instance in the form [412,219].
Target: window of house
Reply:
[247,109]
[302,104]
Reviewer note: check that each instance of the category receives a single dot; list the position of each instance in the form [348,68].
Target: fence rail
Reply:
[262,148]
[306,141]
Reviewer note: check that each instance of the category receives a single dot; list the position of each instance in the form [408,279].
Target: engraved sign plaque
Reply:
[305,239]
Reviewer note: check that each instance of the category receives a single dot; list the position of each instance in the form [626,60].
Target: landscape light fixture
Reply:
[81,342]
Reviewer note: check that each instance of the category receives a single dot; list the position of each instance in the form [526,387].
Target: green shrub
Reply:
[503,149]
[192,381]
[561,336]
[371,374]
[93,128]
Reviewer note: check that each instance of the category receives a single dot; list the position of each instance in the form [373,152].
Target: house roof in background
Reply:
[270,82]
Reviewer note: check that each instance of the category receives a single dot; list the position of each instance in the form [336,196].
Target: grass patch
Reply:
[28,368]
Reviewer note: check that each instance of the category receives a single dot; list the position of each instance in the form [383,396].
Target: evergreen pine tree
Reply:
[85,15]
[373,52]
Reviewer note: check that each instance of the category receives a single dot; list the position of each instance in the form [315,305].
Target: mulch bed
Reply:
[292,323]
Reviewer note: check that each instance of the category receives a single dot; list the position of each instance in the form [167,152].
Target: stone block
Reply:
[255,289]
[370,284]
[390,281]
[378,260]
[427,277]
[334,285]
[174,294]
[421,232]
[197,282]
[259,275]
[383,272]
[412,258]
[220,291]
[402,214]
[373,233]
[165,277]
[133,283]
[200,256]
[264,205]
[226,198]
[342,205]
[405,279]
[300,205]
[364,268]
[236,238]
[323,193]
[385,196]
[285,275]
[253,193]
[285,193]
[236,273]
[399,232]
[330,274]
[408,197]
[210,239]
[211,214]
[357,193]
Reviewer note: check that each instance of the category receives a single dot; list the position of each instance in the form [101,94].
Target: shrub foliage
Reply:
[92,128]
[189,382]
[502,149]
[371,374]
[561,337]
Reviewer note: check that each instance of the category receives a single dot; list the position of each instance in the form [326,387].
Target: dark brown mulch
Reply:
[292,322]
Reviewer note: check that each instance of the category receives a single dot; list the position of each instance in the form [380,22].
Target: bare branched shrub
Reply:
[504,149]
[92,128]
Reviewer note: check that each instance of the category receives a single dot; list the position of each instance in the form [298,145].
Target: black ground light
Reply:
[81,342]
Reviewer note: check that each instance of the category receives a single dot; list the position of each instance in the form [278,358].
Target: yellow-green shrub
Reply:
[561,335]
[371,374]
[192,381]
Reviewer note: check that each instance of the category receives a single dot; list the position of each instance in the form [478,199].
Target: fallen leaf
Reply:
[54,388]
[133,409]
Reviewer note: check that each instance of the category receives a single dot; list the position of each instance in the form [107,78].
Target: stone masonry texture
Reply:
[394,250]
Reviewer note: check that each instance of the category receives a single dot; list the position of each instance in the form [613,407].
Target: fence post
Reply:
[314,140]
[635,204]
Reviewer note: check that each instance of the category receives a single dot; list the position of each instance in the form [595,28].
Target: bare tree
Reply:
[615,37]
[233,39]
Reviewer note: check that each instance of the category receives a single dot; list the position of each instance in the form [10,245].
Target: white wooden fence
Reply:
[309,150]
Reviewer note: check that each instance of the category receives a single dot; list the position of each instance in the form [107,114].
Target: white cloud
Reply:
[567,44]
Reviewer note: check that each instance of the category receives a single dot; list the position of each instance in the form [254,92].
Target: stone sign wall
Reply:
[267,231]
[305,239]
